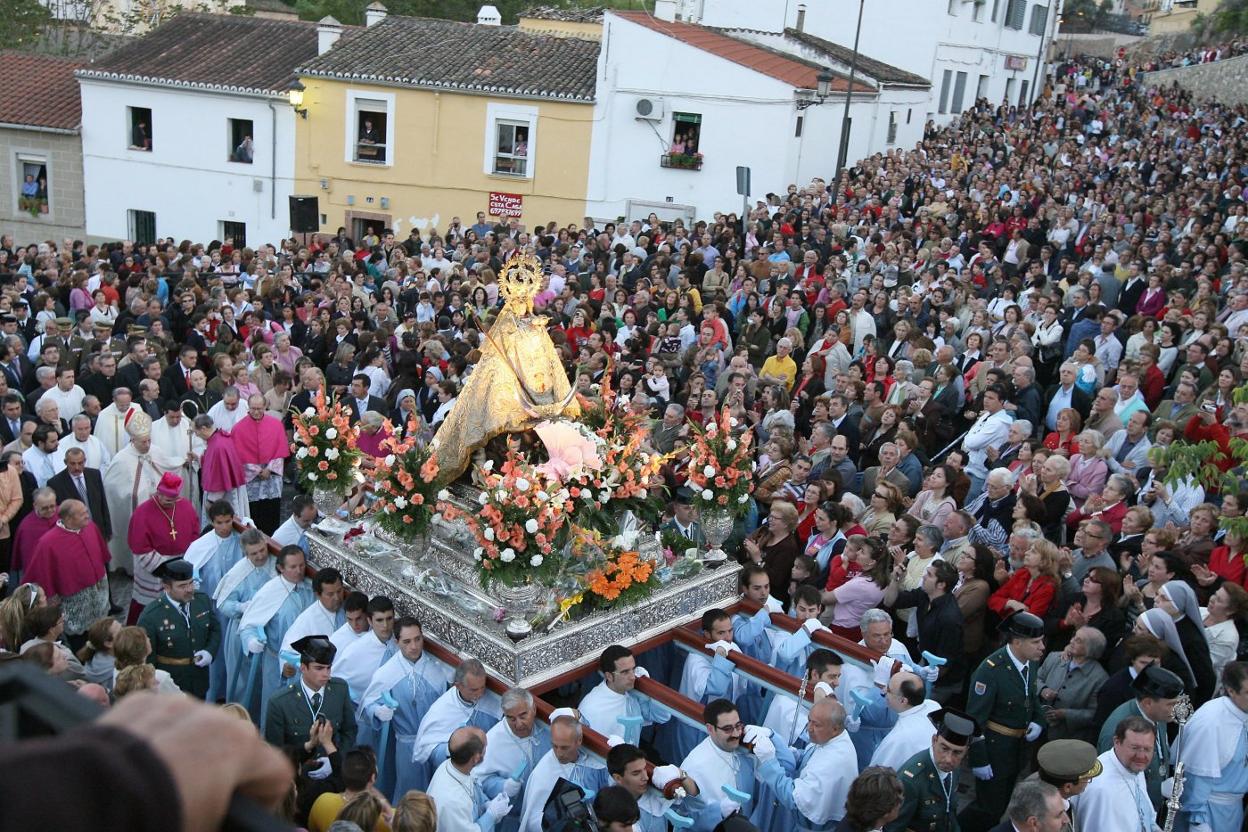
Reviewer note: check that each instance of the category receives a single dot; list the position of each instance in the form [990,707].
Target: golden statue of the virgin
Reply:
[518,382]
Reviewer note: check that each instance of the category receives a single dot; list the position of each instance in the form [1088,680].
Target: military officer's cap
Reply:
[1068,761]
[172,571]
[316,649]
[7,319]
[954,726]
[103,326]
[1023,624]
[1157,683]
[65,323]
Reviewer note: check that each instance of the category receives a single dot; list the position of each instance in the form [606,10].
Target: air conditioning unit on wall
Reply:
[649,109]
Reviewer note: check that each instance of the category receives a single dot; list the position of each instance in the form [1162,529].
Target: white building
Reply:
[745,98]
[187,132]
[967,48]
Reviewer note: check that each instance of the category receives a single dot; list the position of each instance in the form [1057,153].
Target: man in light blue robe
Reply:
[467,703]
[399,694]
[627,767]
[212,556]
[1213,748]
[705,679]
[513,748]
[232,597]
[269,615]
[756,637]
[791,653]
[614,707]
[565,759]
[724,771]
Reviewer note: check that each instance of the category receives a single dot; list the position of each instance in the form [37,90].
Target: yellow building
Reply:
[410,121]
[1175,16]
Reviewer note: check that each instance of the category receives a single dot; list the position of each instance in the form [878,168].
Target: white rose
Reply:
[709,471]
[502,495]
[522,484]
[444,494]
[302,453]
[312,477]
[310,412]
[488,466]
[530,526]
[331,454]
[743,498]
[400,502]
[542,497]
[332,433]
[477,552]
[390,458]
[732,422]
[536,560]
[508,555]
[587,495]
[707,494]
[731,445]
[483,498]
[488,534]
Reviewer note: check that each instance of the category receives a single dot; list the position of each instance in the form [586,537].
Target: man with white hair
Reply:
[780,368]
[80,437]
[870,681]
[467,702]
[993,510]
[514,747]
[1001,457]
[566,760]
[227,412]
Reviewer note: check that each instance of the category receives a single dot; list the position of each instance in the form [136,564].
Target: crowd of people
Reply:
[962,367]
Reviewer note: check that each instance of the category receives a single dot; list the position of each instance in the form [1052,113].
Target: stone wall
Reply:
[1224,81]
[67,211]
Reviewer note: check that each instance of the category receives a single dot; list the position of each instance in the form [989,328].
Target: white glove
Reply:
[852,723]
[663,775]
[202,658]
[614,740]
[882,671]
[983,772]
[323,770]
[511,788]
[728,806]
[930,674]
[1033,731]
[825,689]
[255,646]
[641,672]
[764,749]
[384,713]
[242,607]
[811,625]
[499,806]
[753,732]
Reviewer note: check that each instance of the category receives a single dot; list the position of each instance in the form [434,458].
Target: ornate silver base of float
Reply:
[442,590]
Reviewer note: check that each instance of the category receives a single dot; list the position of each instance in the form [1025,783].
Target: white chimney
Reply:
[665,10]
[801,17]
[489,16]
[328,31]
[375,13]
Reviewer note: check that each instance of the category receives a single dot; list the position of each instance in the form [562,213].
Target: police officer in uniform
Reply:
[1004,699]
[929,779]
[1068,766]
[1156,692]
[182,627]
[314,699]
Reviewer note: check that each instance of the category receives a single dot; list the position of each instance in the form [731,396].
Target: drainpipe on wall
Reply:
[273,163]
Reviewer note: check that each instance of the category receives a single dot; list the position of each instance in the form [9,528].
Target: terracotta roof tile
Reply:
[798,72]
[880,71]
[444,54]
[214,51]
[39,91]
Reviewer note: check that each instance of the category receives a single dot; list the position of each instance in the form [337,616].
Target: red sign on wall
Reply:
[506,205]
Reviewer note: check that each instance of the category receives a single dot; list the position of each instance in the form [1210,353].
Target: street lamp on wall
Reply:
[823,89]
[294,94]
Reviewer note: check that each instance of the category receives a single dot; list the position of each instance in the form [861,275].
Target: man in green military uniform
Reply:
[182,627]
[1157,691]
[1004,699]
[929,779]
[315,711]
[1068,766]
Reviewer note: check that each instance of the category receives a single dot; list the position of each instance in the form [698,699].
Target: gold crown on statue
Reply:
[520,282]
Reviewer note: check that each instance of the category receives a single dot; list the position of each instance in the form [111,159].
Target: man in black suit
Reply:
[360,400]
[176,380]
[11,423]
[1071,396]
[17,367]
[136,353]
[1034,805]
[78,482]
[838,407]
[1132,290]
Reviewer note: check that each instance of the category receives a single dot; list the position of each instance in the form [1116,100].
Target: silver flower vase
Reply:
[520,603]
[716,528]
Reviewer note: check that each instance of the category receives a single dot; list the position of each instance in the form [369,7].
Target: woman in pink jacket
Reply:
[1088,470]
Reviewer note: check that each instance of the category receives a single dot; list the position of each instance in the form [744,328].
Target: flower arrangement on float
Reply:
[720,470]
[325,450]
[404,485]
[520,524]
